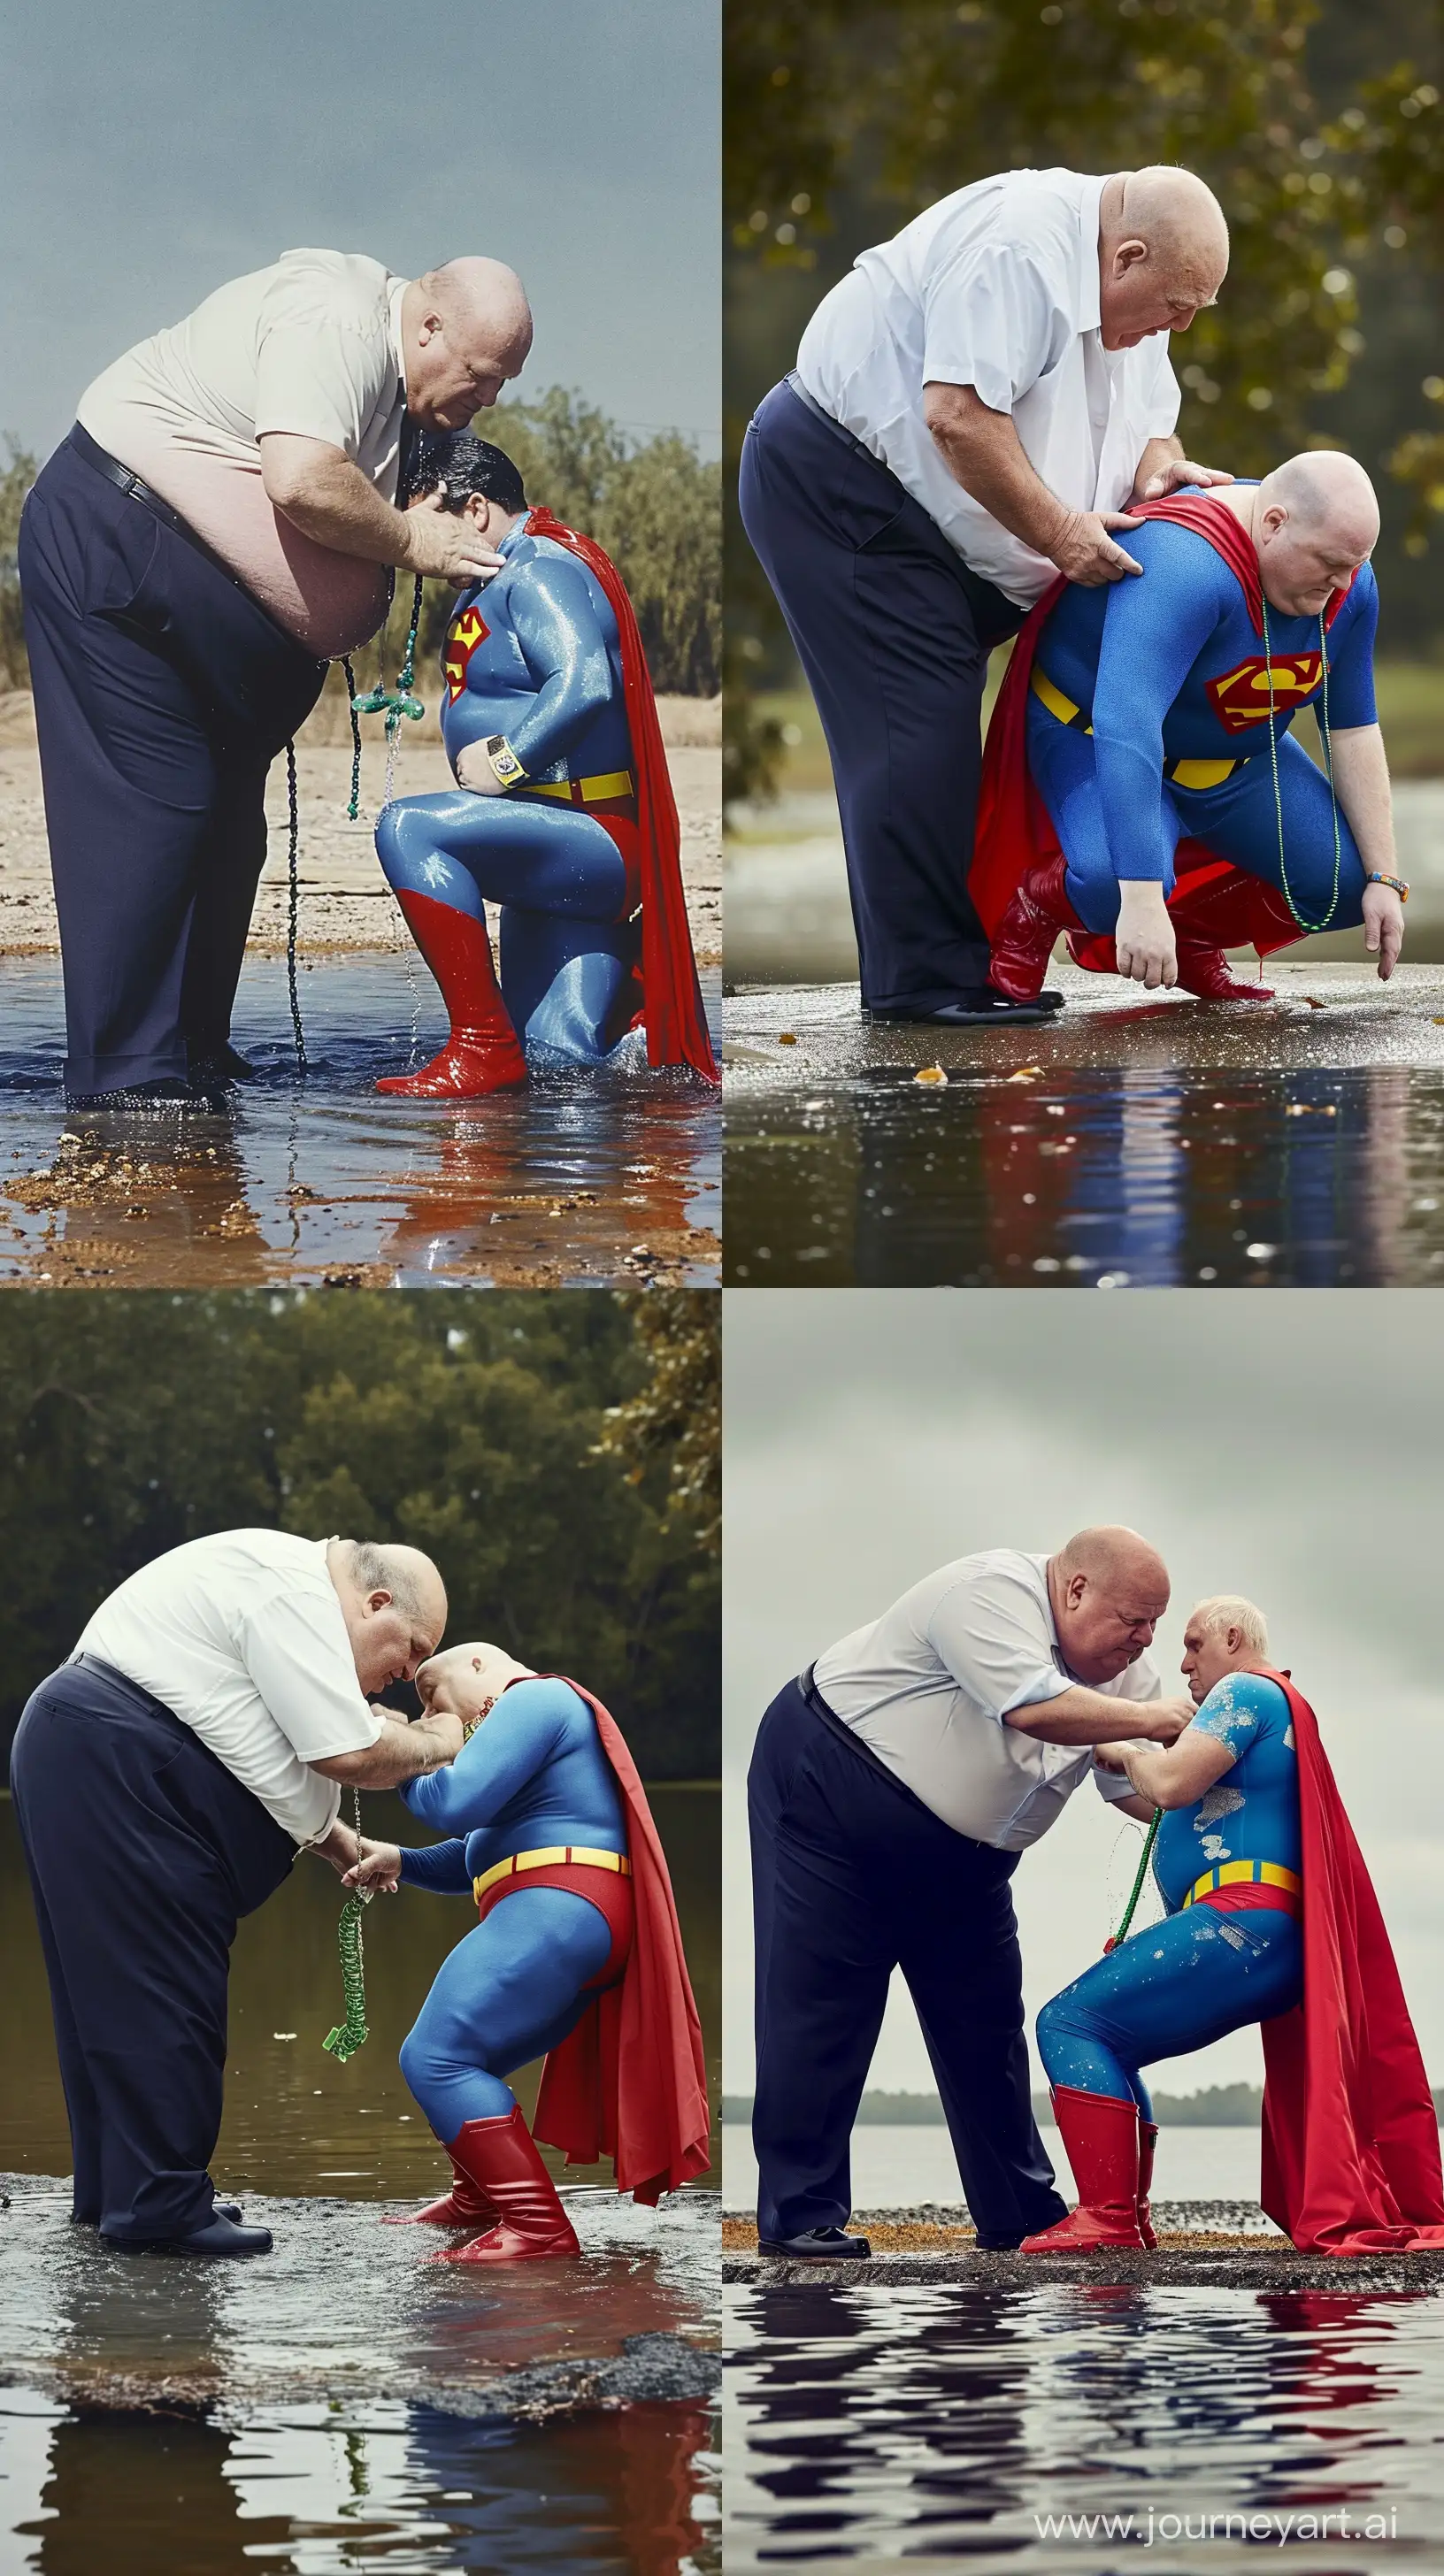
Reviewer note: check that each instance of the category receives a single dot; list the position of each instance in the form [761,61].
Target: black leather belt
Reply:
[101,461]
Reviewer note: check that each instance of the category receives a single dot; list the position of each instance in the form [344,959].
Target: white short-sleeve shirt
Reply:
[995,287]
[241,1636]
[928,1686]
[310,346]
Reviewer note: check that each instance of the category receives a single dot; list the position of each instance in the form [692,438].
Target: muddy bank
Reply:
[346,2309]
[345,901]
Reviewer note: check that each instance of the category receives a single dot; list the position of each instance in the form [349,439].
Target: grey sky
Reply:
[152,152]
[1287,1445]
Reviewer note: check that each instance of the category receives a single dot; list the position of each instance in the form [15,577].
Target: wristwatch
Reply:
[506,769]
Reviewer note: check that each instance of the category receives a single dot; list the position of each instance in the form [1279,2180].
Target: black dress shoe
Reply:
[817,2245]
[979,1009]
[223,1065]
[219,2236]
[997,2244]
[155,1099]
[224,2209]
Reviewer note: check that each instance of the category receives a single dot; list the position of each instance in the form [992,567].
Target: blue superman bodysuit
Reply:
[1167,667]
[534,654]
[532,1777]
[1201,1972]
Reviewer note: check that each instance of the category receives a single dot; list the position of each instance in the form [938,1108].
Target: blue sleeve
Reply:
[565,650]
[1240,1710]
[525,1730]
[1351,673]
[1156,626]
[439,1866]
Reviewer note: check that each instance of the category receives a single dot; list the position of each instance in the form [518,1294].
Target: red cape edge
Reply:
[672,1010]
[1211,898]
[630,2081]
[1350,2133]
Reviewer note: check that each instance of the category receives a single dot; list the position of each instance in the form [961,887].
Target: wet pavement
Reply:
[582,1180]
[1149,1142]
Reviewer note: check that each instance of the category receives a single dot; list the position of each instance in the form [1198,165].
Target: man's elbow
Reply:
[296,473]
[957,419]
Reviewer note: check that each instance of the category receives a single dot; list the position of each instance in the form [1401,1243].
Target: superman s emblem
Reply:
[470,630]
[1241,697]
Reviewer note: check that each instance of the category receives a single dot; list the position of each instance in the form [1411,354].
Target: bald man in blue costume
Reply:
[1228,1865]
[1157,715]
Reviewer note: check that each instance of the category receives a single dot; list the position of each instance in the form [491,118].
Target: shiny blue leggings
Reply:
[1238,820]
[509,1992]
[562,884]
[1178,1986]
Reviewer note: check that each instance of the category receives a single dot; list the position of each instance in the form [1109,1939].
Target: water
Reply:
[910,2166]
[580,1180]
[343,2402]
[879,2427]
[1136,1176]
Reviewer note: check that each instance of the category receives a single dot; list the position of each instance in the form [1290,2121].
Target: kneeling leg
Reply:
[443,909]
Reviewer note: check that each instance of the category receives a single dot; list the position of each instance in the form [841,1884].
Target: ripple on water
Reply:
[914,2422]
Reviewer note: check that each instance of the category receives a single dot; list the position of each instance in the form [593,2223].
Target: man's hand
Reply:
[1144,940]
[1174,471]
[1159,1721]
[447,546]
[1085,551]
[440,1726]
[474,771]
[1383,927]
[378,1866]
[1109,1757]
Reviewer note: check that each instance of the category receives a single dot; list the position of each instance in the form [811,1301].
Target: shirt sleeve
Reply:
[1351,675]
[318,375]
[294,1647]
[510,1747]
[991,320]
[1237,1711]
[991,1632]
[1155,626]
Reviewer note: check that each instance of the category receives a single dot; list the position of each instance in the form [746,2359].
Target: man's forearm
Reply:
[335,505]
[1361,780]
[400,1753]
[1077,1716]
[1158,452]
[983,452]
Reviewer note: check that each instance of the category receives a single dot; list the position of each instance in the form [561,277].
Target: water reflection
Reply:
[1140,1175]
[913,2422]
[318,2489]
[321,1180]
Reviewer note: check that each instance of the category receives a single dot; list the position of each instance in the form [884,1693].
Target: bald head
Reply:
[1162,253]
[1108,1589]
[466,330]
[467,1678]
[394,1604]
[1315,520]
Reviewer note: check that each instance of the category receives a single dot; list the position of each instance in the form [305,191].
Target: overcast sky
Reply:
[1283,1444]
[153,151]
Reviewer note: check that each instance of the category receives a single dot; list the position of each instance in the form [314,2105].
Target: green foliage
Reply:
[15,482]
[655,508]
[832,101]
[1396,135]
[129,1424]
[673,1420]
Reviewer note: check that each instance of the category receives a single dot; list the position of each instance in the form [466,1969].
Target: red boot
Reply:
[501,2161]
[1147,2141]
[482,1053]
[1028,930]
[1101,2136]
[1205,971]
[463,2206]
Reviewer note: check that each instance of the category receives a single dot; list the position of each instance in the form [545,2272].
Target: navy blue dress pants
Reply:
[163,692]
[853,1876]
[143,1851]
[893,632]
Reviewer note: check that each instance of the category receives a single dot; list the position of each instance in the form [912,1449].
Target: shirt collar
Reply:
[1089,204]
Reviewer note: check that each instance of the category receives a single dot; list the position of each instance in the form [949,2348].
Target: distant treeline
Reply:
[556,1455]
[1219,2106]
[655,507]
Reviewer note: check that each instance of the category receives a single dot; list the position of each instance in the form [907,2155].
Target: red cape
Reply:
[1211,897]
[630,2081]
[672,1011]
[1350,2134]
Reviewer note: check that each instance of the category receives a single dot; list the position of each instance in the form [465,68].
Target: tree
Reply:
[15,482]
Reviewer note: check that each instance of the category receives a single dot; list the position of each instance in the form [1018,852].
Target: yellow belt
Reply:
[548,1860]
[1183,773]
[1239,1873]
[592,791]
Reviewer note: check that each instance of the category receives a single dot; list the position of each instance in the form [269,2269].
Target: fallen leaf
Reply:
[931,1073]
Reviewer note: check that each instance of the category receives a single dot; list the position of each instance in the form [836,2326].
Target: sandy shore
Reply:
[345,902]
